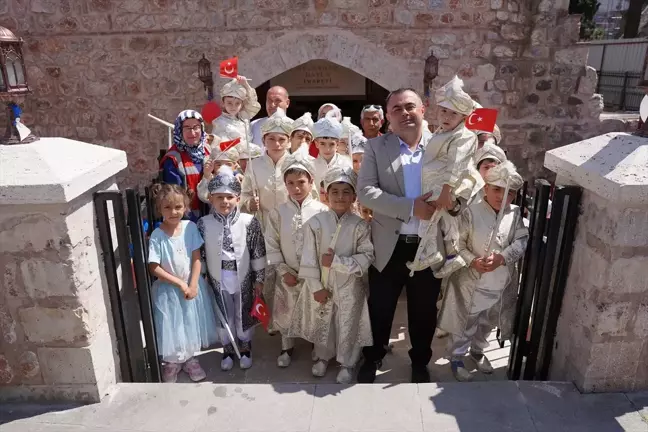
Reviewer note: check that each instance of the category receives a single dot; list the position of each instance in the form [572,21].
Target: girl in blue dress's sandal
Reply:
[183,306]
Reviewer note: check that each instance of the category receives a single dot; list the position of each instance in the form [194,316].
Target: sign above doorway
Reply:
[321,78]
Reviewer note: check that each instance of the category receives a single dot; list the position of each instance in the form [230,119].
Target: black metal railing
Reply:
[553,214]
[620,90]
[129,284]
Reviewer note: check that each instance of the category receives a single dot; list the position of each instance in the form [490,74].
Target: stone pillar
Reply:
[602,335]
[55,320]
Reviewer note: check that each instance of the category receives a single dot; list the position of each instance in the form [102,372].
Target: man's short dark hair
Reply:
[401,91]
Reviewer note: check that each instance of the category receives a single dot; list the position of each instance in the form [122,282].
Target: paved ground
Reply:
[441,407]
[396,366]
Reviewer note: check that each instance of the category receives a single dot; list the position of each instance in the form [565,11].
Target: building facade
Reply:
[98,67]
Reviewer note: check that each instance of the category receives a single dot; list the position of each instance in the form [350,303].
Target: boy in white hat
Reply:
[448,171]
[240,104]
[285,243]
[329,108]
[483,294]
[489,156]
[234,252]
[358,143]
[302,134]
[216,160]
[327,133]
[486,158]
[263,186]
[348,131]
[247,152]
[494,137]
[331,310]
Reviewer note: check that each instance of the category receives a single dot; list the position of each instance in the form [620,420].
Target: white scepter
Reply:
[223,321]
[500,216]
[423,243]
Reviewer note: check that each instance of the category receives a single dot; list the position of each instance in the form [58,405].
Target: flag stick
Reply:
[223,321]
[500,216]
[423,243]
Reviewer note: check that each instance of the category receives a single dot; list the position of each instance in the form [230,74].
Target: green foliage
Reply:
[587,9]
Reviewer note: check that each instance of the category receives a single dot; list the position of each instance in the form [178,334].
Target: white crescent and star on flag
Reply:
[470,119]
[260,309]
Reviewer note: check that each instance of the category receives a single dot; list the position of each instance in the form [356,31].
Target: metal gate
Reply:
[545,268]
[125,254]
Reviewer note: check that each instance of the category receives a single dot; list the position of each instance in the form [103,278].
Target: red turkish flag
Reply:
[313,150]
[482,119]
[226,145]
[229,68]
[260,312]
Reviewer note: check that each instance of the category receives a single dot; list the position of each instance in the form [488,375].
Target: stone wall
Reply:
[54,314]
[602,333]
[603,329]
[98,67]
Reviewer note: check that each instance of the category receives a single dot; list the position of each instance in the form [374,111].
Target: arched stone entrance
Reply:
[342,47]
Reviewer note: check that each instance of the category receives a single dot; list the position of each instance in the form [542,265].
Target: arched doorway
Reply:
[319,81]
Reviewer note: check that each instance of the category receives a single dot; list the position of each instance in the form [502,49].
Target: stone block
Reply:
[7,327]
[587,82]
[474,406]
[572,56]
[55,325]
[612,319]
[6,371]
[640,327]
[28,365]
[611,165]
[629,275]
[28,231]
[44,278]
[67,365]
[366,407]
[486,71]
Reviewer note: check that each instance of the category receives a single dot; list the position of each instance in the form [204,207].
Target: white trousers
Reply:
[233,312]
[475,336]
[329,351]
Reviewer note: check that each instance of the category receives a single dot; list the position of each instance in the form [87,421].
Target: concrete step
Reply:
[481,406]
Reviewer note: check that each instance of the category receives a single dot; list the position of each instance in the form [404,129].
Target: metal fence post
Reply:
[622,104]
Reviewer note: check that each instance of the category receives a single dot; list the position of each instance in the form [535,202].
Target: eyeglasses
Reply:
[372,108]
[196,128]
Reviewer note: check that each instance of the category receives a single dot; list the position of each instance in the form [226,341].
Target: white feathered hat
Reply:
[503,173]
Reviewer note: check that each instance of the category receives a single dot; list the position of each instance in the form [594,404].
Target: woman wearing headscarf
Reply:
[183,162]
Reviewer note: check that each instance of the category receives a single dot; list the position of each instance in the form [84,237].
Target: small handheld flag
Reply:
[229,68]
[226,145]
[260,312]
[482,119]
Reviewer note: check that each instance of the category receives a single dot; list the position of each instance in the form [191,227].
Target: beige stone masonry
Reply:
[602,336]
[54,310]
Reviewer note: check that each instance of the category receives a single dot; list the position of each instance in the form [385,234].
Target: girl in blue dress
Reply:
[183,306]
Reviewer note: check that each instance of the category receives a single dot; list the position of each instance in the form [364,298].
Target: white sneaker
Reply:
[283,360]
[345,376]
[319,368]
[246,361]
[460,372]
[483,364]
[227,363]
